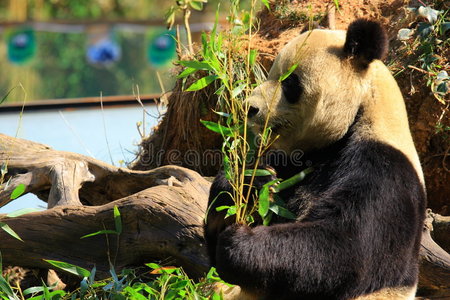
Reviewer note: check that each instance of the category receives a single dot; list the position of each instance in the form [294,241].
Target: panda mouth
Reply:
[258,127]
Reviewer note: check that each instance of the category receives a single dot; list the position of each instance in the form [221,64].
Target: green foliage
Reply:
[117,224]
[431,38]
[78,271]
[156,283]
[18,191]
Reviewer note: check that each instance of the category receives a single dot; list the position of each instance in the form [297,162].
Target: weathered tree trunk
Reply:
[162,212]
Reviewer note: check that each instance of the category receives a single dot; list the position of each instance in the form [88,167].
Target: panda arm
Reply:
[323,254]
[221,195]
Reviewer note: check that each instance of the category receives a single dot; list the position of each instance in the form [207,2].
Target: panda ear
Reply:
[366,40]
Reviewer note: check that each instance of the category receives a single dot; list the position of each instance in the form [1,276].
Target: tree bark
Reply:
[162,212]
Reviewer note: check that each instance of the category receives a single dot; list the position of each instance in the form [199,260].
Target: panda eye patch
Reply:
[292,88]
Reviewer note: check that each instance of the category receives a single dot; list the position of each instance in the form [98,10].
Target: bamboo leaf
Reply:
[198,65]
[98,233]
[197,5]
[288,72]
[3,169]
[117,220]
[282,211]
[227,167]
[201,83]
[79,271]
[263,201]
[231,211]
[225,131]
[21,212]
[7,94]
[266,3]
[186,72]
[257,172]
[9,230]
[252,56]
[238,90]
[292,181]
[18,191]
[220,208]
[267,219]
[6,288]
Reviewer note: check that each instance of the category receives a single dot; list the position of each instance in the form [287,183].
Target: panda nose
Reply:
[252,111]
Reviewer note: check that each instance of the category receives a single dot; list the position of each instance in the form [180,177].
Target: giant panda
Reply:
[360,212]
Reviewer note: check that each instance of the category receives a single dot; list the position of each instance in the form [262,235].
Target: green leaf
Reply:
[98,233]
[33,290]
[289,72]
[6,288]
[223,114]
[186,72]
[227,168]
[117,220]
[11,232]
[153,266]
[92,276]
[223,207]
[198,65]
[292,181]
[238,90]
[231,211]
[252,56]
[201,83]
[258,172]
[197,5]
[18,191]
[282,211]
[213,126]
[267,219]
[3,169]
[444,27]
[22,211]
[79,271]
[266,4]
[424,29]
[442,89]
[336,3]
[263,201]
[7,94]
[178,285]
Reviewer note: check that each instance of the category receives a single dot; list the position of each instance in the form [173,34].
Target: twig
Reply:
[420,70]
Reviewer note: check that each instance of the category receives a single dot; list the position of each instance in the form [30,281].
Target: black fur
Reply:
[360,220]
[292,88]
[366,40]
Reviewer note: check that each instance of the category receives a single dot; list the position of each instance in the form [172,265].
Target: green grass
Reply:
[152,282]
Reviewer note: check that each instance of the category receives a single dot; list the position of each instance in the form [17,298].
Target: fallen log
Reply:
[162,213]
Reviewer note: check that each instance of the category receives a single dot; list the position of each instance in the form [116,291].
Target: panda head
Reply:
[317,103]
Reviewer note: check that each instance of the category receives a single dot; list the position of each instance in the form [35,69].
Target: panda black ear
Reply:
[366,40]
